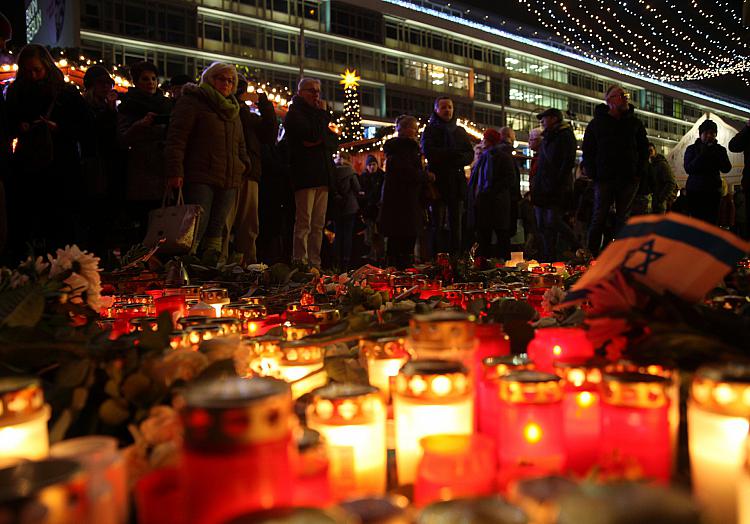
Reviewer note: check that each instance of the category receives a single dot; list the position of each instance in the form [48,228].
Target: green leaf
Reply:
[22,307]
[73,373]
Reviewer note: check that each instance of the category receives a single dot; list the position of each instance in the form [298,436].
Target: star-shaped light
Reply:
[637,260]
[349,79]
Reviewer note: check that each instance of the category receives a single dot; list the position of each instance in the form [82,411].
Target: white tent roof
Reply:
[676,157]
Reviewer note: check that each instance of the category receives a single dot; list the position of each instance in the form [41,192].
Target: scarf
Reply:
[227,106]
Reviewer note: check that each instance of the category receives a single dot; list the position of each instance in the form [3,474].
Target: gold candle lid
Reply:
[434,380]
[228,325]
[301,352]
[660,368]
[345,404]
[192,320]
[325,316]
[723,389]
[529,387]
[298,331]
[225,414]
[635,390]
[20,398]
[383,348]
[442,330]
[495,367]
[253,312]
[215,295]
[253,301]
[579,372]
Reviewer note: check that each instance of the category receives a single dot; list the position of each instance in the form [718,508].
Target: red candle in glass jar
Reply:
[581,413]
[172,304]
[635,426]
[486,401]
[455,466]
[239,454]
[530,431]
[558,344]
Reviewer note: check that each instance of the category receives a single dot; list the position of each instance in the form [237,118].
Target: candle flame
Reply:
[532,433]
[584,399]
[557,350]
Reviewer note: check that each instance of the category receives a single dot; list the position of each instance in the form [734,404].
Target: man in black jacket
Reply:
[311,146]
[740,143]
[705,160]
[448,149]
[615,156]
[553,181]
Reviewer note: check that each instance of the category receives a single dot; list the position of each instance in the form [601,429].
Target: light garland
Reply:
[654,45]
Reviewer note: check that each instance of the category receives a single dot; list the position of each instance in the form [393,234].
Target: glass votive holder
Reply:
[558,344]
[291,332]
[581,412]
[198,334]
[530,433]
[23,419]
[351,419]
[717,416]
[106,483]
[487,401]
[635,425]
[455,466]
[141,324]
[239,453]
[384,357]
[180,339]
[443,335]
[229,326]
[430,397]
[301,365]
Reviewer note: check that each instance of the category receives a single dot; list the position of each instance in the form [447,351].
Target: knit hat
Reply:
[492,136]
[708,125]
[94,73]
[371,159]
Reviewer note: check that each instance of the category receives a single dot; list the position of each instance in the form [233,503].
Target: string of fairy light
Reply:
[650,37]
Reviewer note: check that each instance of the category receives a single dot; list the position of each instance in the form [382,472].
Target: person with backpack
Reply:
[552,184]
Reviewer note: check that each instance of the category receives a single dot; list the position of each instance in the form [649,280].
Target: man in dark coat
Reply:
[553,182]
[740,143]
[615,156]
[448,149]
[311,146]
[665,186]
[704,160]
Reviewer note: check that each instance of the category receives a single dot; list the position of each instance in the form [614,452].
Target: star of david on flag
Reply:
[669,252]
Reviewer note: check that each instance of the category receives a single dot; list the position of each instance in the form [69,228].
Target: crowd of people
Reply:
[89,167]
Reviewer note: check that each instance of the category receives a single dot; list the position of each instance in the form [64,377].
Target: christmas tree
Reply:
[352,119]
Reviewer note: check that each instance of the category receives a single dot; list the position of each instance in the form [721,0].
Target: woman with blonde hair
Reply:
[206,151]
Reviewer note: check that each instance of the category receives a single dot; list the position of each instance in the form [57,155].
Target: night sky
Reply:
[510,9]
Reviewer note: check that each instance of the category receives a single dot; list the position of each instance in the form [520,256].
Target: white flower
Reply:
[85,277]
[38,265]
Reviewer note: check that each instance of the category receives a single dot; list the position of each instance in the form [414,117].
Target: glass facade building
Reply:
[405,54]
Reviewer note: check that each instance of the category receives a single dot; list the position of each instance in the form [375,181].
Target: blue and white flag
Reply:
[671,252]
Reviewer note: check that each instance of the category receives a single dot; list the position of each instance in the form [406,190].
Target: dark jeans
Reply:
[448,223]
[704,206]
[342,243]
[551,225]
[217,203]
[400,251]
[608,192]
